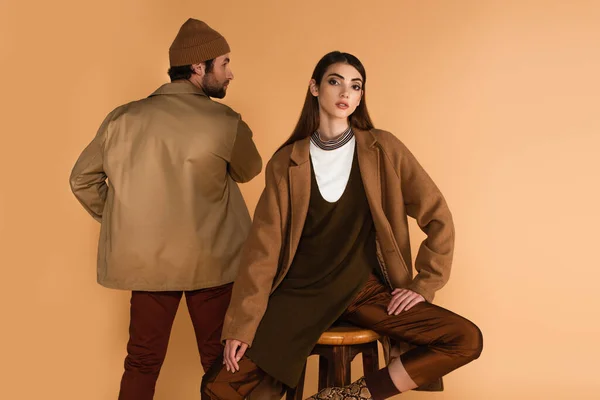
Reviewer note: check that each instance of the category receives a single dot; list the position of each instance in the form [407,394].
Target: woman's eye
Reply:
[333,82]
[356,87]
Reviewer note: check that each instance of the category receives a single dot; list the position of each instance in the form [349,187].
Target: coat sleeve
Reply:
[258,266]
[245,162]
[88,179]
[426,204]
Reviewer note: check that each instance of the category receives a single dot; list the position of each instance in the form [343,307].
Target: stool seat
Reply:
[336,349]
[347,335]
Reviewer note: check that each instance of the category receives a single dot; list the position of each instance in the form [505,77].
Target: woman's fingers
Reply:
[403,299]
[229,354]
[418,299]
[239,354]
[397,300]
[233,353]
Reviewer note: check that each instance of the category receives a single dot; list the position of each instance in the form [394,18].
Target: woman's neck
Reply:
[331,128]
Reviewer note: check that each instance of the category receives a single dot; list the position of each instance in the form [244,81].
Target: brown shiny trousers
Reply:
[443,342]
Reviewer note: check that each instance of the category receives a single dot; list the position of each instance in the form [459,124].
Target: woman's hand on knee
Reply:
[403,299]
[233,353]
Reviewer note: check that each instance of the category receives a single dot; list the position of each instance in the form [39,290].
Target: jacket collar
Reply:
[301,150]
[178,87]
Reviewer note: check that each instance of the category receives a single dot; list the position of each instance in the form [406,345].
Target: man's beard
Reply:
[212,88]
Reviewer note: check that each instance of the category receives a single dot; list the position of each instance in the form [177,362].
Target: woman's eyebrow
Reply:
[341,77]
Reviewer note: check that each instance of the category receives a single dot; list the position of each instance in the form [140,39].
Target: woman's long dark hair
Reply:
[309,117]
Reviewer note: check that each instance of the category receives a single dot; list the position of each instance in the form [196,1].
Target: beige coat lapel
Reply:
[368,162]
[370,171]
[299,176]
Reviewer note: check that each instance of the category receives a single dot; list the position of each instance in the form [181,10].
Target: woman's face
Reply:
[340,90]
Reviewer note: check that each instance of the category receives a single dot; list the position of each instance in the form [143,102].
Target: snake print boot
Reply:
[354,391]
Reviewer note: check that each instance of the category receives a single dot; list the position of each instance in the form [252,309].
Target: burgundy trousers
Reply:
[152,315]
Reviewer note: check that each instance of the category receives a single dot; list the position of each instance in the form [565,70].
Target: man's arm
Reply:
[245,162]
[88,179]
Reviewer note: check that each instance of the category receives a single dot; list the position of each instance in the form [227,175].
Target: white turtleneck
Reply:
[332,169]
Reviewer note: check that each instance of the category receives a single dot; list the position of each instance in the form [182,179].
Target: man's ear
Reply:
[314,90]
[199,69]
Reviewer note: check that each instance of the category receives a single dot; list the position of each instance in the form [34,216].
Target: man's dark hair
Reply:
[209,65]
[185,71]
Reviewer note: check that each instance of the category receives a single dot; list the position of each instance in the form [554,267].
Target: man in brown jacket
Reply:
[161,176]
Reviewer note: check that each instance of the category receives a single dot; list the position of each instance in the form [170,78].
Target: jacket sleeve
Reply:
[245,162]
[258,266]
[88,179]
[426,204]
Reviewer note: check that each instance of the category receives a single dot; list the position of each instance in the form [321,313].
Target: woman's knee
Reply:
[470,339]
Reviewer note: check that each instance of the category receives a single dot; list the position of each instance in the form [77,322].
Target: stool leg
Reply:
[370,358]
[341,362]
[323,372]
[297,392]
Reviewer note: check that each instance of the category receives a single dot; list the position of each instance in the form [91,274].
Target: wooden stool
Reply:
[336,349]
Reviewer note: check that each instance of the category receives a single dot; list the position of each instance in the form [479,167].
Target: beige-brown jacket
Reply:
[396,187]
[172,215]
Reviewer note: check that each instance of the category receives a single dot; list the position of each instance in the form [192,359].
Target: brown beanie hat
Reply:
[196,42]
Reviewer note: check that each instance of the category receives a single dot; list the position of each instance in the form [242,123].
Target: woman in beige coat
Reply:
[330,242]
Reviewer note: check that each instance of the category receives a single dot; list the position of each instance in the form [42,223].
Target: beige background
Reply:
[499,100]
